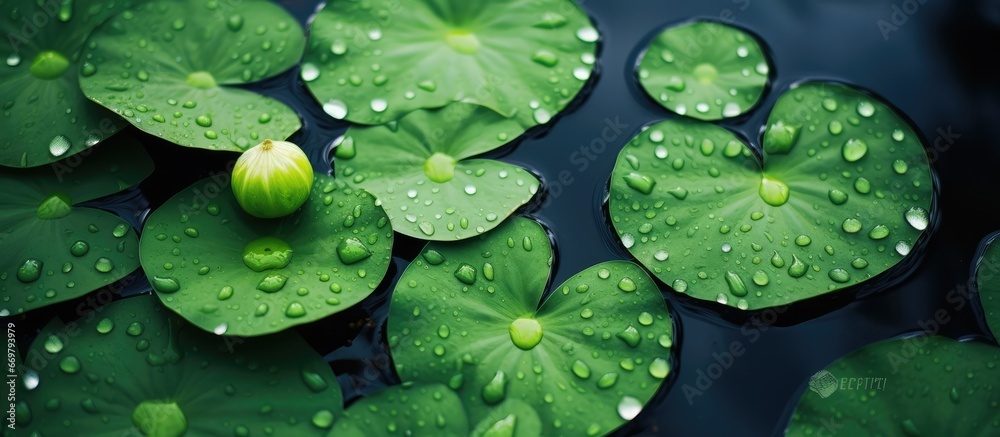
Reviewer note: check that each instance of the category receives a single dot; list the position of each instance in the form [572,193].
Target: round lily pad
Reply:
[987,274]
[229,272]
[45,116]
[705,70]
[845,192]
[137,369]
[371,62]
[587,359]
[422,172]
[405,410]
[55,250]
[910,386]
[170,68]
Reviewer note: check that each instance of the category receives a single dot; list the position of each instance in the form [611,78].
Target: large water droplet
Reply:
[525,333]
[629,408]
[495,390]
[352,250]
[59,145]
[917,217]
[854,149]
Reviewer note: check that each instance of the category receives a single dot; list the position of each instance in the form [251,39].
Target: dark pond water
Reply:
[936,67]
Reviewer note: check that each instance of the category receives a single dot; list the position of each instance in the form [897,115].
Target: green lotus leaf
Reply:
[55,249]
[586,360]
[405,410]
[137,369]
[171,69]
[904,387]
[987,275]
[45,116]
[704,70]
[370,62]
[228,272]
[422,172]
[844,194]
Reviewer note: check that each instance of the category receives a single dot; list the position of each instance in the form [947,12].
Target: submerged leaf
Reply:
[425,176]
[466,314]
[916,386]
[135,368]
[704,70]
[372,62]
[54,250]
[228,272]
[169,68]
[45,116]
[844,193]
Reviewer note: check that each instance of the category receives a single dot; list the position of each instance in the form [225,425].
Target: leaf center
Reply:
[462,41]
[55,206]
[159,419]
[201,79]
[705,73]
[267,253]
[49,65]
[440,167]
[526,333]
[773,191]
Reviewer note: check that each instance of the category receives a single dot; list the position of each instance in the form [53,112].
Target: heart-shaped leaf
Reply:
[467,314]
[843,195]
[169,68]
[229,272]
[372,62]
[422,173]
[704,70]
[45,116]
[55,250]
[904,387]
[987,273]
[406,410]
[137,369]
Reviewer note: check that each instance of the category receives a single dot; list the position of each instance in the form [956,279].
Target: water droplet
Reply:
[309,72]
[659,368]
[427,228]
[69,364]
[135,329]
[628,240]
[545,57]
[53,344]
[641,183]
[898,135]
[839,275]
[854,149]
[851,225]
[838,197]
[760,278]
[221,328]
[104,265]
[878,232]
[352,250]
[899,166]
[466,274]
[105,326]
[525,333]
[862,185]
[378,105]
[335,108]
[433,257]
[295,310]
[587,34]
[917,217]
[802,240]
[495,390]
[736,285]
[541,116]
[272,283]
[323,419]
[798,268]
[581,369]
[645,319]
[902,248]
[59,145]
[581,73]
[630,336]
[30,270]
[866,109]
[470,189]
[165,284]
[626,285]
[777,261]
[629,408]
